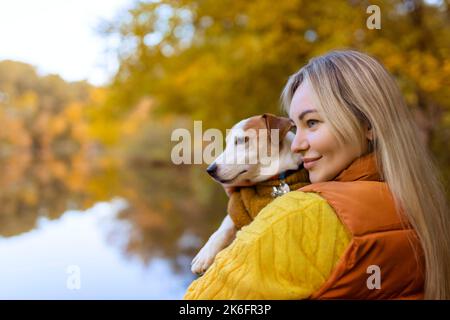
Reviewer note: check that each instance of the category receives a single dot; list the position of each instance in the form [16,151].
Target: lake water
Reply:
[118,233]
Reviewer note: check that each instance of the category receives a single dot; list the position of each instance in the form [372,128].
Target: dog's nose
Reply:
[212,169]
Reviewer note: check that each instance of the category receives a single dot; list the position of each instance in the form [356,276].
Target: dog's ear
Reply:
[274,122]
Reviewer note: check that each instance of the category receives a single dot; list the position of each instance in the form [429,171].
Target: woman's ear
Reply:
[369,131]
[369,135]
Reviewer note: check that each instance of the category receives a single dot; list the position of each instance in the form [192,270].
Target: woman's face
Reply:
[314,140]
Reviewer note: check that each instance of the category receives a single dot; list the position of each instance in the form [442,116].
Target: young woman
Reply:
[373,224]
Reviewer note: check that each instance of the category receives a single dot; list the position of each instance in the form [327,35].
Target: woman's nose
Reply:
[300,143]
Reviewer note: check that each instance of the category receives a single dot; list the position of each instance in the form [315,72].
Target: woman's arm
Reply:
[287,252]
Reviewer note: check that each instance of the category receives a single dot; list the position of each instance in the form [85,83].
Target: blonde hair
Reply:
[353,90]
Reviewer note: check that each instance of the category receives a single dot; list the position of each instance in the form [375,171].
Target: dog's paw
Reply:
[202,262]
[204,259]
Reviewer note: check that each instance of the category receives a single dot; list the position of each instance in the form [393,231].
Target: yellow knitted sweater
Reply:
[287,252]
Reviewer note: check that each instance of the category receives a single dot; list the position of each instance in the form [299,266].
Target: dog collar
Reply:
[283,187]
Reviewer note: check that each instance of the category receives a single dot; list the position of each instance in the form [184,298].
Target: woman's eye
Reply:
[311,122]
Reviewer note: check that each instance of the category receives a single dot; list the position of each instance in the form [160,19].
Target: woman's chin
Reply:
[314,177]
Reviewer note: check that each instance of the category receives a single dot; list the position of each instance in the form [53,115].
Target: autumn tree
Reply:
[205,58]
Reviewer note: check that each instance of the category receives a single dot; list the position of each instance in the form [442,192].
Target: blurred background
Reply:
[90,92]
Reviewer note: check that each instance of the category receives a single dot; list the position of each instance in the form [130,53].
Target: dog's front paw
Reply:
[204,259]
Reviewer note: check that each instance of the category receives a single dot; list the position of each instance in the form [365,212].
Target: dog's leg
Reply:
[219,240]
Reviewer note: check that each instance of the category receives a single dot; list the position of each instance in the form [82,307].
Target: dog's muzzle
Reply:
[212,170]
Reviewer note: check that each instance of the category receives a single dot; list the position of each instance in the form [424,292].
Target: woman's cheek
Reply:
[321,140]
[315,142]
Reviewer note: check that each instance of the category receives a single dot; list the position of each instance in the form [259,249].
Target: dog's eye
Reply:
[246,139]
[293,129]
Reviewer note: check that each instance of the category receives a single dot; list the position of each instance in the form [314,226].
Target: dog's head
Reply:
[257,149]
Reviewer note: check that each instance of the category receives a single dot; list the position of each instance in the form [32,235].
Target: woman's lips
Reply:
[309,163]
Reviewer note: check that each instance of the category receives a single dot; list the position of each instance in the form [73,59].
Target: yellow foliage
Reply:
[28,101]
[58,125]
[74,111]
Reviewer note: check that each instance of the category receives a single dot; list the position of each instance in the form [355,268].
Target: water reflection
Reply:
[132,229]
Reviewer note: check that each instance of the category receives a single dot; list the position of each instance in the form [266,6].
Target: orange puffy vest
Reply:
[382,242]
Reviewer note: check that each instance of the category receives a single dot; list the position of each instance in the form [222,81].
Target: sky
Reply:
[59,36]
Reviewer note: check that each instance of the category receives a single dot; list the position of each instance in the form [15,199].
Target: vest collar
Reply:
[363,168]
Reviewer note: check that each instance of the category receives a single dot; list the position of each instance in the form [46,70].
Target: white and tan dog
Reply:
[257,149]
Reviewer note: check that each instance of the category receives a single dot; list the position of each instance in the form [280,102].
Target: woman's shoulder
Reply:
[307,210]
[296,203]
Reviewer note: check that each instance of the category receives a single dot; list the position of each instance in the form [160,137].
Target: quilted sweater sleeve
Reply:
[287,252]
